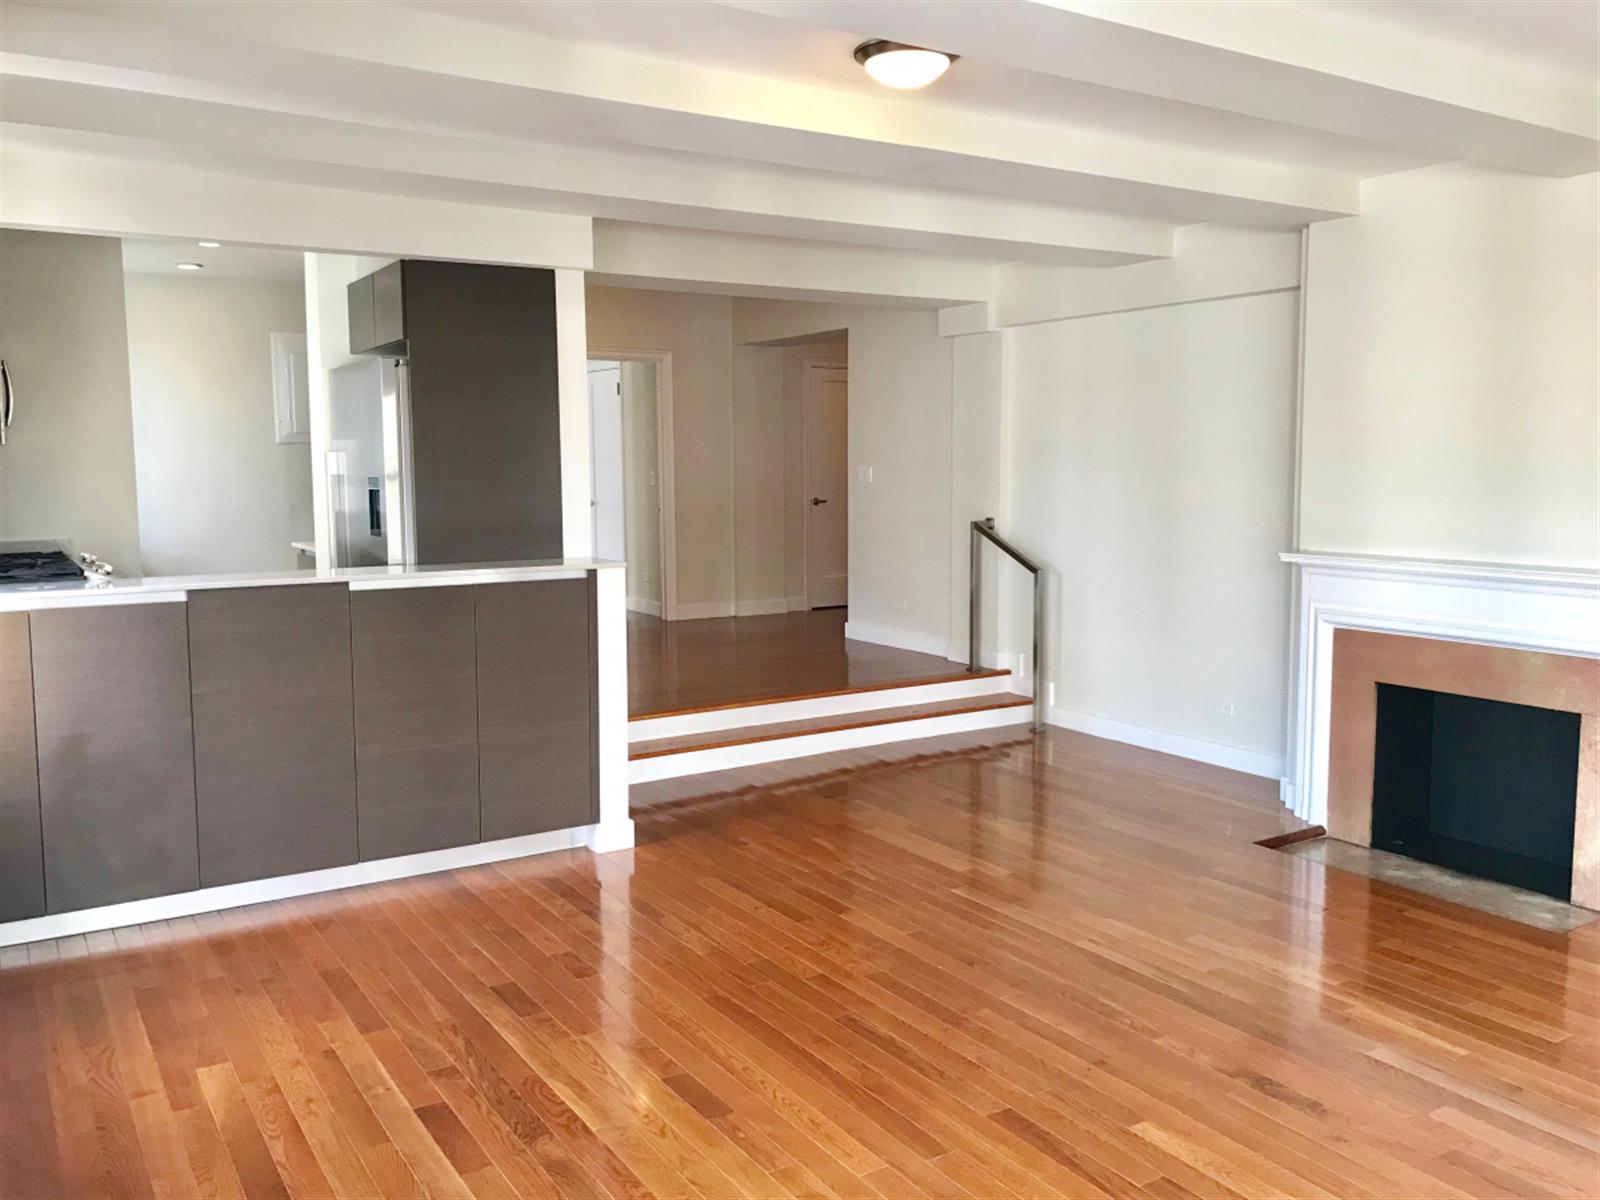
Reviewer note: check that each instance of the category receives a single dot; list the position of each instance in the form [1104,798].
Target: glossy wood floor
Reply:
[686,666]
[982,969]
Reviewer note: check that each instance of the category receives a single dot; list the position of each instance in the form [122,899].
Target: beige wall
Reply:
[770,469]
[900,425]
[759,480]
[68,469]
[696,329]
[1149,466]
[217,491]
[797,360]
[1450,374]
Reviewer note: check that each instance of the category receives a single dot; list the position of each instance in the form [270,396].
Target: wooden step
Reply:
[826,706]
[861,689]
[782,730]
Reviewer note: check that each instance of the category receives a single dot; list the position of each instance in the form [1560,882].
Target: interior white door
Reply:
[606,461]
[827,487]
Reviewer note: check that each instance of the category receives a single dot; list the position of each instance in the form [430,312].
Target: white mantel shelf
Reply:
[1543,609]
[1517,576]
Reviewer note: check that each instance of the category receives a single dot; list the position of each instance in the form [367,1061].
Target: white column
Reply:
[615,829]
[572,365]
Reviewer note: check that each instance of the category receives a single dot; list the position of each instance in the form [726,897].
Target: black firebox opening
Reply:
[1479,786]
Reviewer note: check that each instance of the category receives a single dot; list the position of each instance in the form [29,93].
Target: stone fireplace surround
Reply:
[1530,635]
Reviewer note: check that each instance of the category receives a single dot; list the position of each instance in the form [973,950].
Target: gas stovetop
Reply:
[37,566]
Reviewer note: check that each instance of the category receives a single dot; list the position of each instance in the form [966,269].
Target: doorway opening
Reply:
[630,444]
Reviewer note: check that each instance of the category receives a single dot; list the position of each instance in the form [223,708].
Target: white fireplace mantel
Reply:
[1549,609]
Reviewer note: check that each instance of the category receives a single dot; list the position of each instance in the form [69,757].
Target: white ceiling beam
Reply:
[775,268]
[430,70]
[1282,62]
[80,194]
[714,194]
[1211,263]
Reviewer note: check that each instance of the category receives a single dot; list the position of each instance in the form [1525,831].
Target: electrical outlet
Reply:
[1223,708]
[863,474]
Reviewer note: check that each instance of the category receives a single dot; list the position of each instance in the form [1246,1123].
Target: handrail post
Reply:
[974,584]
[1039,697]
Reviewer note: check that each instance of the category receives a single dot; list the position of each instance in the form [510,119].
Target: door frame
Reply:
[813,365]
[668,531]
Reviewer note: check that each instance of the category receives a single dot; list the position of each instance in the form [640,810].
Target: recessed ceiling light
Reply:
[210,245]
[897,65]
[190,266]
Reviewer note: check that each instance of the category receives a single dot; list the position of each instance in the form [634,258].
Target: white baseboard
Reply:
[600,838]
[900,639]
[723,758]
[650,608]
[704,610]
[761,608]
[1217,754]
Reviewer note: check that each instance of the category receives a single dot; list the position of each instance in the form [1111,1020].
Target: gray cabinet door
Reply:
[536,734]
[274,744]
[416,699]
[362,315]
[21,851]
[116,760]
[485,411]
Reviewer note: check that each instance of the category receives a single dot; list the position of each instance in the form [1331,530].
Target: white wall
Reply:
[1149,465]
[1450,377]
[217,492]
[979,428]
[642,490]
[68,469]
[696,330]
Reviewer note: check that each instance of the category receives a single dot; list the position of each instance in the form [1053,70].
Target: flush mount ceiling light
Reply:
[190,266]
[897,65]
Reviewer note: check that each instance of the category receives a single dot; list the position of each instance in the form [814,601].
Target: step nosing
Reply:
[750,734]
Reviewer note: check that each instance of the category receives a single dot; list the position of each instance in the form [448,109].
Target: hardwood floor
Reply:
[689,666]
[992,967]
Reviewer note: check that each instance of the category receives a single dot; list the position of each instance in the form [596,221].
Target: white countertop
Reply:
[18,597]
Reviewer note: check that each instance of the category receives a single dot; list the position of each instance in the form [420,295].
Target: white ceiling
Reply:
[1561,36]
[710,34]
[1071,132]
[160,256]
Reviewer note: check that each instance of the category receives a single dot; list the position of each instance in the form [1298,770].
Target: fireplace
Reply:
[1488,676]
[1484,787]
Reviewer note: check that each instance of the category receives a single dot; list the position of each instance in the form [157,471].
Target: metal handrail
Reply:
[984,531]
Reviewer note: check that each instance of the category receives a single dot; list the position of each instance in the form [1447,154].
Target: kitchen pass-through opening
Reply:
[1479,786]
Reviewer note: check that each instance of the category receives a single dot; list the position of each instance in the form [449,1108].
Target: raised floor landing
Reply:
[689,666]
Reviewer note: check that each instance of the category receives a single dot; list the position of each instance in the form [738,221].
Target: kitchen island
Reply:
[182,744]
